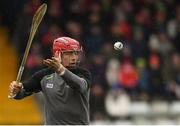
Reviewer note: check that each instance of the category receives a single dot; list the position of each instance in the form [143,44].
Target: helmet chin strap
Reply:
[78,62]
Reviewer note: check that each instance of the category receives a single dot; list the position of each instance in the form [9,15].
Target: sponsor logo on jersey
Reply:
[67,86]
[49,85]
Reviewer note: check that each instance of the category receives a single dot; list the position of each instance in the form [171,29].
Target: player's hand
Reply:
[55,62]
[15,87]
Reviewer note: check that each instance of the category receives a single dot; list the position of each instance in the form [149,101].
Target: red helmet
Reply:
[63,44]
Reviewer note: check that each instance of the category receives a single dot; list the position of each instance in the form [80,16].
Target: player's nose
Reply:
[74,57]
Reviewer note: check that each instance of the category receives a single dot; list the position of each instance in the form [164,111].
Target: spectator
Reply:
[155,75]
[112,71]
[117,104]
[139,45]
[74,29]
[20,36]
[173,28]
[93,40]
[34,61]
[97,102]
[143,73]
[128,76]
[174,76]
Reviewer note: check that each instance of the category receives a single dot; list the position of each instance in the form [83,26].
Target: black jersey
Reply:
[66,96]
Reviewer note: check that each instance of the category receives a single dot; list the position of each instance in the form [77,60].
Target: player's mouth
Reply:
[73,64]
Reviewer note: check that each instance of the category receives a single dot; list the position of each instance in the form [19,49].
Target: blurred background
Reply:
[137,85]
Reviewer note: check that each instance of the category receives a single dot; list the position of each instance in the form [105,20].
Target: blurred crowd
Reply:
[147,68]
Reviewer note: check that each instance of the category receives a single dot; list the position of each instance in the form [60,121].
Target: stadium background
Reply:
[138,85]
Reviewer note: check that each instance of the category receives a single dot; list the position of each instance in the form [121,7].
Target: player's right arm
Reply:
[32,85]
[18,89]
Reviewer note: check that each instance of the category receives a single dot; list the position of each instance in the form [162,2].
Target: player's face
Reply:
[70,58]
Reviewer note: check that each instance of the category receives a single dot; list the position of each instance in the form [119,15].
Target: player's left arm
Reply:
[80,82]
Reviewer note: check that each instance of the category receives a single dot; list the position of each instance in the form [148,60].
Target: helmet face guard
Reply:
[66,45]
